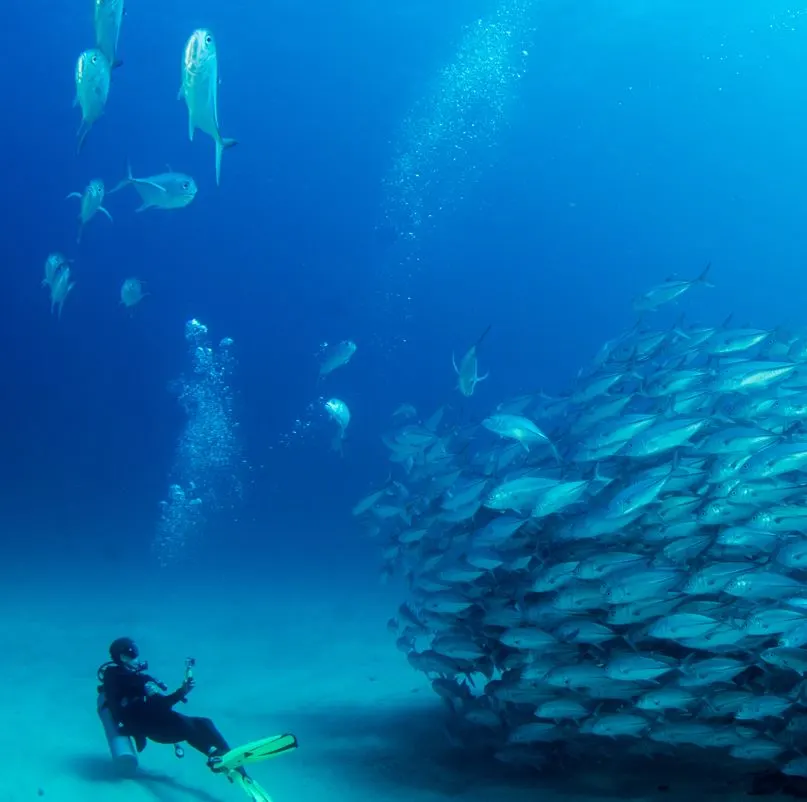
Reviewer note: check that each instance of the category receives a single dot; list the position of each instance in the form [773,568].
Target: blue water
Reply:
[639,140]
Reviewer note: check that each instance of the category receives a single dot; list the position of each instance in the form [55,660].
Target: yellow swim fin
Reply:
[254,752]
[249,787]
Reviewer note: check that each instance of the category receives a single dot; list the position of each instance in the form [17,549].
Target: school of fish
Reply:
[620,568]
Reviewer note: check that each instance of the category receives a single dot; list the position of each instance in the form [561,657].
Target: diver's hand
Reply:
[152,689]
[188,685]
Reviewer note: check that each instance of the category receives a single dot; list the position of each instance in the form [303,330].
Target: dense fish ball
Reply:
[620,569]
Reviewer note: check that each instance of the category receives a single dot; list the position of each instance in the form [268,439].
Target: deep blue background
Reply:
[645,140]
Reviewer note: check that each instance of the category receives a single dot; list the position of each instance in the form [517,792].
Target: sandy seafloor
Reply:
[272,656]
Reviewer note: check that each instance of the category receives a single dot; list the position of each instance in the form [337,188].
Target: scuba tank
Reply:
[121,747]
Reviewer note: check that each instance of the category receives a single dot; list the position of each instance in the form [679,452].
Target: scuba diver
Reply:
[135,706]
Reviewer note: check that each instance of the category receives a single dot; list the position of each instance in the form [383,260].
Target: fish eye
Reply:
[185,184]
[93,59]
[208,39]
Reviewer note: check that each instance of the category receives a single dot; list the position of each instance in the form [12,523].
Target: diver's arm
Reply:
[156,690]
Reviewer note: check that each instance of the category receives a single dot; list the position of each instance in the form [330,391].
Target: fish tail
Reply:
[483,335]
[222,144]
[126,181]
[83,130]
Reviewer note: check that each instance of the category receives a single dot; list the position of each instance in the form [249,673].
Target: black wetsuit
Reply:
[152,717]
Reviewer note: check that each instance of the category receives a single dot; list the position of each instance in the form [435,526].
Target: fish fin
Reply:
[222,144]
[454,363]
[126,181]
[702,278]
[61,303]
[181,93]
[482,377]
[74,195]
[524,446]
[106,212]
[83,130]
[75,101]
[144,206]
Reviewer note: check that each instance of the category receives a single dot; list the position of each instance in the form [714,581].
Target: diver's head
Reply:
[124,652]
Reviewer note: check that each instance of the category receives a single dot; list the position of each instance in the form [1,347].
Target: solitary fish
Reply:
[668,291]
[131,292]
[108,20]
[162,191]
[92,200]
[339,411]
[335,356]
[60,288]
[468,371]
[200,90]
[92,89]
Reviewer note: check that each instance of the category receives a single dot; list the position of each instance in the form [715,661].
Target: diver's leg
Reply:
[202,735]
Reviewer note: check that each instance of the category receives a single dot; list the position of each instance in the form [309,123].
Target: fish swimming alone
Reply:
[131,292]
[92,76]
[468,370]
[200,90]
[60,288]
[669,291]
[335,356]
[339,412]
[92,200]
[168,190]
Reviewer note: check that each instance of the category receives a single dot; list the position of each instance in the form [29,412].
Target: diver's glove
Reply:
[180,694]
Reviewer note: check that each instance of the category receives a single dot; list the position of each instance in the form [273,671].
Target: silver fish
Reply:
[169,190]
[200,90]
[108,19]
[670,290]
[92,76]
[647,588]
